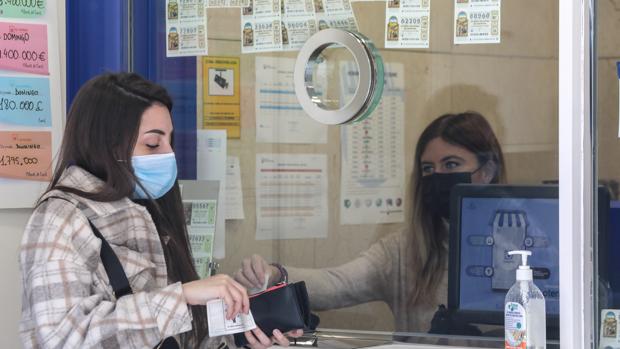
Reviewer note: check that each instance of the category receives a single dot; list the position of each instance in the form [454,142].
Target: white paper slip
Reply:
[219,325]
[259,290]
[233,189]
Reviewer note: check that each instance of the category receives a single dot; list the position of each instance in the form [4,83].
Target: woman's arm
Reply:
[364,279]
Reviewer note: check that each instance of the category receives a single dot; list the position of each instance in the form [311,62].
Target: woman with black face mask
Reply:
[407,269]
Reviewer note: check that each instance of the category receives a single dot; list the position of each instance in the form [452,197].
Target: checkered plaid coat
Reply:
[67,300]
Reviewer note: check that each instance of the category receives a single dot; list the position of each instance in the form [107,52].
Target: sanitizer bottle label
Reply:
[515,326]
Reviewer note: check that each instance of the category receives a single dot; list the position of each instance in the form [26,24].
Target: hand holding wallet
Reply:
[284,307]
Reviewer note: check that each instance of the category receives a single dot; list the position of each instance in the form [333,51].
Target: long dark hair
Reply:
[100,135]
[471,131]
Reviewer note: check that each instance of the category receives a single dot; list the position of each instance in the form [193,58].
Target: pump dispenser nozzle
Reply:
[524,272]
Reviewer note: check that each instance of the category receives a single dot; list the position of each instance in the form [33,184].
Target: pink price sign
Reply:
[23,47]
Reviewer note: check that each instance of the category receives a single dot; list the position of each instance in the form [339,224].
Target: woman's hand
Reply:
[219,286]
[257,339]
[253,271]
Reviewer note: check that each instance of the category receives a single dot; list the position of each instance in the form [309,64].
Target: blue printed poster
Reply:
[25,101]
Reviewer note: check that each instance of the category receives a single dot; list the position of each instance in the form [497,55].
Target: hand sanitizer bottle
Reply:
[524,311]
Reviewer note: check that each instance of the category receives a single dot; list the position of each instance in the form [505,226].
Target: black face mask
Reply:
[436,191]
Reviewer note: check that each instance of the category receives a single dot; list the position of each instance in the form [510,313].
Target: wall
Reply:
[12,223]
[513,83]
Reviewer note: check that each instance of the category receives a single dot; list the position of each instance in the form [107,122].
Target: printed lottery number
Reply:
[298,25]
[480,15]
[200,205]
[264,26]
[410,21]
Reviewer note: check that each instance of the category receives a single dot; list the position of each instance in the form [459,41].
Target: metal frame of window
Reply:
[576,145]
[147,57]
[97,41]
[576,173]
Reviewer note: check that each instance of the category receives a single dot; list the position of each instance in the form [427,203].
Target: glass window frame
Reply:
[577,172]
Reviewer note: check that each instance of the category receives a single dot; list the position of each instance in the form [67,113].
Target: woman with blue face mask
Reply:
[105,259]
[406,269]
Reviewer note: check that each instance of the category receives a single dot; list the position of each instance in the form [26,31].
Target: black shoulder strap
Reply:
[113,266]
[118,279]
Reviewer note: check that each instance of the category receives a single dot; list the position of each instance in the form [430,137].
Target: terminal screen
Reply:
[490,227]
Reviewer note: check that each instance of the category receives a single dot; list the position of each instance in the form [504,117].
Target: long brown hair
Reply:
[102,128]
[471,131]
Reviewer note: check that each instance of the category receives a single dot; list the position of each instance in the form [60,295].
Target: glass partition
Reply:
[607,145]
[335,205]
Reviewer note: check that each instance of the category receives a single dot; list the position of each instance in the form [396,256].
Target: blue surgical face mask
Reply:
[156,173]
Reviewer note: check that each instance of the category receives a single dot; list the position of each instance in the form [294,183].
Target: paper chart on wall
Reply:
[407,23]
[291,196]
[234,191]
[336,14]
[211,165]
[261,23]
[372,187]
[298,23]
[186,28]
[279,116]
[477,21]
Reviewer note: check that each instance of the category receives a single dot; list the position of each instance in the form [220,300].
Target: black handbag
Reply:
[284,307]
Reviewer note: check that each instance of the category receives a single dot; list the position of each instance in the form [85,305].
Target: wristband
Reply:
[283,272]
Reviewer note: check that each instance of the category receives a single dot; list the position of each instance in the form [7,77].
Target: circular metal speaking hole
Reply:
[369,84]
